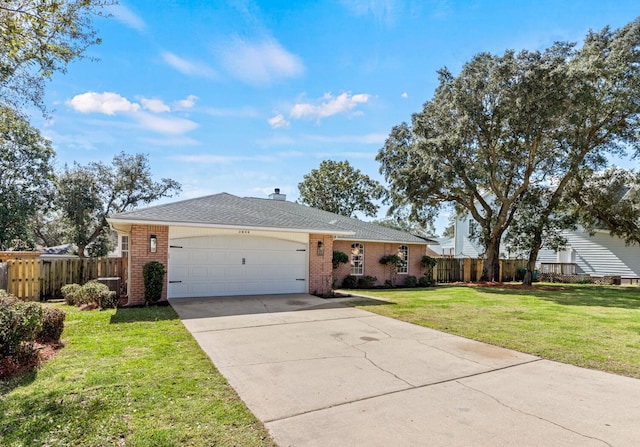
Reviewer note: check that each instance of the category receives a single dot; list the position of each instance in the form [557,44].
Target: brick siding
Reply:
[320,266]
[139,255]
[373,251]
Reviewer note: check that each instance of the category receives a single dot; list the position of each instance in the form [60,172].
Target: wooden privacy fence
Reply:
[470,270]
[37,279]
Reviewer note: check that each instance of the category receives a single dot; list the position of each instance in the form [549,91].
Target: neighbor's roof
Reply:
[226,210]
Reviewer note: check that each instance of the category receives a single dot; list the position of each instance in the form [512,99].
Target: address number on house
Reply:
[244,232]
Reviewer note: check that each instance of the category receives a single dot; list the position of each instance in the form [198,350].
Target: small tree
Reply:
[428,263]
[339,258]
[153,273]
[393,261]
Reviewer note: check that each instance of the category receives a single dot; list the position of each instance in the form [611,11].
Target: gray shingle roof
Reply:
[228,210]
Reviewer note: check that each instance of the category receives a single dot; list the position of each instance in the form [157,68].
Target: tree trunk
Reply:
[533,256]
[531,266]
[491,267]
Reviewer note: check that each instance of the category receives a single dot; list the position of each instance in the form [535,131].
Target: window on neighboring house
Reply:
[124,250]
[357,259]
[403,254]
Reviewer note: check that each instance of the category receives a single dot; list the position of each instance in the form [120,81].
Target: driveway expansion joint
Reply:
[517,410]
[412,387]
[308,359]
[279,323]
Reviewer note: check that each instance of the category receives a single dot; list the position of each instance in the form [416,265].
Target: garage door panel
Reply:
[213,266]
[199,273]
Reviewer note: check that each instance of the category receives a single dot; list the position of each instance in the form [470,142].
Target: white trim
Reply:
[113,221]
[382,241]
[361,255]
[405,260]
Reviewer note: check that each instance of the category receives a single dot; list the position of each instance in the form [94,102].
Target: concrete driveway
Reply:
[321,374]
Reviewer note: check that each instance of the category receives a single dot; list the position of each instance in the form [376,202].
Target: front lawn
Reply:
[131,377]
[595,327]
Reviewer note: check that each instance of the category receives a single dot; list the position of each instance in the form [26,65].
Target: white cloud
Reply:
[362,155]
[221,159]
[237,112]
[175,142]
[278,121]
[187,103]
[260,63]
[168,125]
[276,140]
[330,106]
[108,103]
[154,105]
[125,15]
[188,67]
[371,138]
[382,10]
[404,95]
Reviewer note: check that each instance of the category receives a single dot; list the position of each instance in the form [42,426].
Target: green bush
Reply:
[3,293]
[426,281]
[108,299]
[390,259]
[366,282]
[349,282]
[91,291]
[428,261]
[71,293]
[339,258]
[52,324]
[20,322]
[153,274]
[410,281]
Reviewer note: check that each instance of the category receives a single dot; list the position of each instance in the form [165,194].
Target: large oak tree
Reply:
[513,126]
[338,187]
[26,178]
[38,38]
[87,195]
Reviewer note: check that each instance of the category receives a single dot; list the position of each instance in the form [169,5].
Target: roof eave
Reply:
[114,221]
[385,241]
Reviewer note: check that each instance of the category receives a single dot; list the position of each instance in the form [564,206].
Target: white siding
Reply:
[602,254]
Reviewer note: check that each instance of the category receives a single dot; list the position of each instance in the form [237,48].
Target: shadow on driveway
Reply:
[211,307]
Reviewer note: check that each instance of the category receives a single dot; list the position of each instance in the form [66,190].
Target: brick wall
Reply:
[139,255]
[320,267]
[373,251]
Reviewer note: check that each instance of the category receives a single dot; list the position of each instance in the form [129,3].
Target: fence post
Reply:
[466,270]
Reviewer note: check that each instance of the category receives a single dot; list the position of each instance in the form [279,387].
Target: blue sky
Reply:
[247,96]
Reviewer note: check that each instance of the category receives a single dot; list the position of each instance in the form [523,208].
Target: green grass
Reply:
[595,327]
[131,377]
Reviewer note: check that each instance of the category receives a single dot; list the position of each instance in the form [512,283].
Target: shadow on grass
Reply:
[11,383]
[597,296]
[366,301]
[137,314]
[47,412]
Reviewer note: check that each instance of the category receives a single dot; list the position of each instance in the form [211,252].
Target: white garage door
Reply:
[235,265]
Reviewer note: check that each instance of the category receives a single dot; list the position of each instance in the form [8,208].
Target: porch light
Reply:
[320,248]
[153,243]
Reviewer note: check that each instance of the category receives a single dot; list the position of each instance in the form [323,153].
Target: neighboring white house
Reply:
[599,254]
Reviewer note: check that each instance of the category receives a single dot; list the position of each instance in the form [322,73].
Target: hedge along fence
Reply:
[36,279]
